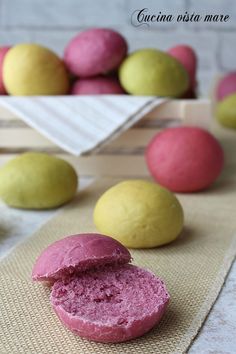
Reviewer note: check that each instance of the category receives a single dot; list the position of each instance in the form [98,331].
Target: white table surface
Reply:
[218,334]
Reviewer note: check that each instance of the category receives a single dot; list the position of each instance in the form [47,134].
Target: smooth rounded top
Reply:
[153,72]
[36,180]
[95,51]
[226,111]
[78,253]
[226,86]
[31,69]
[139,214]
[184,159]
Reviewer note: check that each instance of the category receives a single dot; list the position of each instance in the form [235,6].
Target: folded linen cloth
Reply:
[80,125]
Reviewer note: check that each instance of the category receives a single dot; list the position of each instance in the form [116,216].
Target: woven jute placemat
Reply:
[194,268]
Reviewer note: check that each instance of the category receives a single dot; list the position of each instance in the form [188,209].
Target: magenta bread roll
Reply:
[96,294]
[185,159]
[114,305]
[97,86]
[226,86]
[78,253]
[94,52]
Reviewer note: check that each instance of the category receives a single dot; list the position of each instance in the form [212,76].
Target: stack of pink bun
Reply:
[93,53]
[96,293]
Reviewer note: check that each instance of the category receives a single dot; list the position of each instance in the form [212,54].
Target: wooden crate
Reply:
[121,157]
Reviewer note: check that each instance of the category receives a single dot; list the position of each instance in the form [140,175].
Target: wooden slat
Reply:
[105,165]
[6,114]
[29,138]
[16,136]
[22,137]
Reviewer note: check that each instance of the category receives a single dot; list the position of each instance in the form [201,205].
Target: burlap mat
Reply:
[194,268]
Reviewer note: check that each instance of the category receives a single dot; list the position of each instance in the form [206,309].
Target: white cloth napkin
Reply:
[80,124]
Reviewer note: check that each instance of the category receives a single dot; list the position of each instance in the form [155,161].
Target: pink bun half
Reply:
[94,52]
[114,305]
[97,86]
[226,86]
[78,253]
[185,159]
[187,57]
[3,52]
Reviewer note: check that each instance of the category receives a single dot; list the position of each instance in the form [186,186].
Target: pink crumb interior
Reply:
[115,296]
[90,264]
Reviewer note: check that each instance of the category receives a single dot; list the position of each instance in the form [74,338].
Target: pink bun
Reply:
[187,57]
[94,52]
[113,305]
[78,253]
[184,159]
[97,86]
[3,52]
[226,86]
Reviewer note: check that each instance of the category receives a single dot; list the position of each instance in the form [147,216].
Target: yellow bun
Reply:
[226,111]
[30,69]
[153,72]
[139,214]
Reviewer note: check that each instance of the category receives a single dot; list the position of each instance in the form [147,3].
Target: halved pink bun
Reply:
[78,253]
[187,57]
[97,86]
[185,159]
[94,52]
[3,52]
[96,293]
[113,305]
[226,86]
